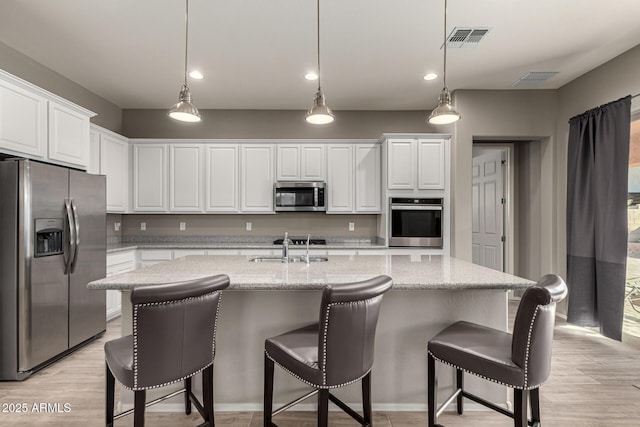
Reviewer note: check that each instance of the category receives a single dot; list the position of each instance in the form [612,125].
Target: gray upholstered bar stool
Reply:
[174,338]
[336,351]
[521,361]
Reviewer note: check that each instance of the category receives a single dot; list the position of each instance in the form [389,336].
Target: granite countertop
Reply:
[409,272]
[237,244]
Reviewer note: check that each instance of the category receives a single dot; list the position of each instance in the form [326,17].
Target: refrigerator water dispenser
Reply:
[48,237]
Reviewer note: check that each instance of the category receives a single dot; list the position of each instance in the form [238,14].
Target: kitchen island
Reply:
[268,298]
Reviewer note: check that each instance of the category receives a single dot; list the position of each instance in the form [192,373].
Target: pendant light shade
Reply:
[184,110]
[319,113]
[444,113]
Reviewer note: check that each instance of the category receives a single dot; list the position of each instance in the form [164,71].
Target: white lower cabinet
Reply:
[154,256]
[118,263]
[179,253]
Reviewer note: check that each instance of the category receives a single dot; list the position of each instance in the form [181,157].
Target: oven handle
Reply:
[415,208]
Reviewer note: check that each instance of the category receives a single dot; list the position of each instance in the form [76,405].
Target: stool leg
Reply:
[268,391]
[187,396]
[207,395]
[459,385]
[432,385]
[534,396]
[520,407]
[139,401]
[110,385]
[323,407]
[366,398]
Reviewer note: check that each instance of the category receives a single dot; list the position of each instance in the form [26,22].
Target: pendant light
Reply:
[319,114]
[444,113]
[184,110]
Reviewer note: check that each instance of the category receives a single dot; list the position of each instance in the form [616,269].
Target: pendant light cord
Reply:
[186,41]
[444,36]
[318,39]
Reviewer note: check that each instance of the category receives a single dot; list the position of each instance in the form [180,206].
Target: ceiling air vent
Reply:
[533,78]
[466,37]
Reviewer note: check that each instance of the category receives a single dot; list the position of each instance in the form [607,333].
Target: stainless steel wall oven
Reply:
[415,222]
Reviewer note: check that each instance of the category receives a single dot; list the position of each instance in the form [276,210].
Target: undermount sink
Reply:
[300,258]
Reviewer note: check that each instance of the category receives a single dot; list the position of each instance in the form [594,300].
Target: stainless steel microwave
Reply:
[305,196]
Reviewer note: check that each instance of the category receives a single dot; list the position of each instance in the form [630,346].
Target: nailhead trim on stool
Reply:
[526,386]
[135,341]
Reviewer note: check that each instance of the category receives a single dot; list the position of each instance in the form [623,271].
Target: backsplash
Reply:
[297,224]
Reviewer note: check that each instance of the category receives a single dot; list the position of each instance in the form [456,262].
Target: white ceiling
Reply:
[254,53]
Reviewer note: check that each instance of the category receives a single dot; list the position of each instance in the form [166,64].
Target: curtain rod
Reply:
[635,96]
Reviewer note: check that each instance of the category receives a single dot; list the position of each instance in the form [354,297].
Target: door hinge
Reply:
[503,162]
[502,200]
[502,239]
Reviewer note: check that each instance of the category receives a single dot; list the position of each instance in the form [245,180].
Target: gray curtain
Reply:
[597,177]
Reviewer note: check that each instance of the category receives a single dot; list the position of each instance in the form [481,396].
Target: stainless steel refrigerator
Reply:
[52,243]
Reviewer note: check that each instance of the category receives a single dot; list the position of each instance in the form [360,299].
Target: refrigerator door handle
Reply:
[76,223]
[71,246]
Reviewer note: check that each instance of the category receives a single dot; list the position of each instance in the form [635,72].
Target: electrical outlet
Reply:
[116,226]
[143,226]
[249,226]
[183,226]
[352,226]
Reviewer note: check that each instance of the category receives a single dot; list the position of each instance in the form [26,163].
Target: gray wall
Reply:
[528,210]
[108,115]
[508,115]
[273,124]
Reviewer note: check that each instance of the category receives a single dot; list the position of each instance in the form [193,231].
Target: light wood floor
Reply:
[594,382]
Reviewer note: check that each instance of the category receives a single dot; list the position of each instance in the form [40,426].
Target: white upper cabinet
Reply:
[368,181]
[109,156]
[37,124]
[258,176]
[401,171]
[416,164]
[221,182]
[23,121]
[68,135]
[149,177]
[340,178]
[301,162]
[288,162]
[185,177]
[431,164]
[94,151]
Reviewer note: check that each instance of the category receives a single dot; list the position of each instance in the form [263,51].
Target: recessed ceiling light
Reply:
[311,76]
[195,74]
[430,76]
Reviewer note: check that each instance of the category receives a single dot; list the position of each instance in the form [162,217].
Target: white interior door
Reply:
[488,216]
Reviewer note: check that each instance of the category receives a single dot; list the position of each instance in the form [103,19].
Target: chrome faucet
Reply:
[285,247]
[305,258]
